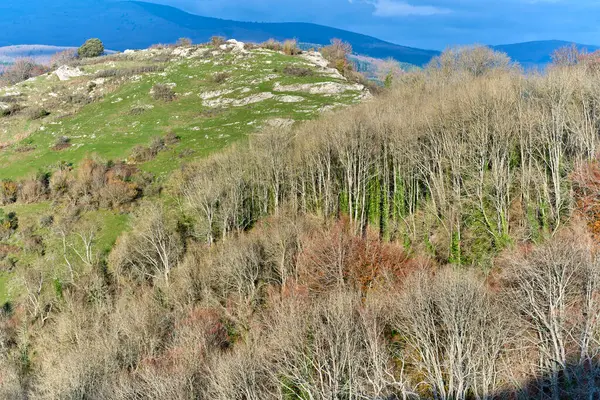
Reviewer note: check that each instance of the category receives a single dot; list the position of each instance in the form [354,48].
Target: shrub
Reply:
[33,189]
[117,193]
[220,77]
[388,71]
[8,192]
[171,138]
[157,145]
[290,47]
[272,44]
[140,154]
[184,42]
[163,92]
[137,110]
[10,99]
[294,70]
[34,244]
[8,222]
[60,182]
[21,70]
[158,46]
[162,58]
[566,55]
[24,147]
[63,58]
[91,48]
[62,142]
[46,221]
[217,41]
[150,251]
[337,52]
[147,153]
[78,99]
[11,110]
[37,113]
[91,176]
[473,60]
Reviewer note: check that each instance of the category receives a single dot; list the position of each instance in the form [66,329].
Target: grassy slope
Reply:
[108,128]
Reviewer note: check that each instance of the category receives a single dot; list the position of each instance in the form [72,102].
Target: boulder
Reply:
[64,73]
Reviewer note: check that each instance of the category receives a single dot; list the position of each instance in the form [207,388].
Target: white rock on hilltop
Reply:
[290,99]
[65,73]
[316,58]
[319,88]
[237,46]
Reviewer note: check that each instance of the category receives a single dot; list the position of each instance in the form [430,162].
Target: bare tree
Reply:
[474,60]
[555,291]
[153,249]
[566,55]
[455,335]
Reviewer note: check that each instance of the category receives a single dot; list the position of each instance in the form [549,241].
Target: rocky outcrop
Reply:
[320,88]
[64,73]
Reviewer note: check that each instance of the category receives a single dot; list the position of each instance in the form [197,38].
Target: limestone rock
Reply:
[64,73]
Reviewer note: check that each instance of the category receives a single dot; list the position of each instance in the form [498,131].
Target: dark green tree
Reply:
[91,48]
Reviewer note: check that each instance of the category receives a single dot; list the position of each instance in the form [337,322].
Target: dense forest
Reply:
[439,241]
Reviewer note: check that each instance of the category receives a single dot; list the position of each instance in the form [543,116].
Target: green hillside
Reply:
[109,109]
[220,97]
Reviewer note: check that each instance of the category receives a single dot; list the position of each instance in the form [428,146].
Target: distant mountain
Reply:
[123,25]
[40,53]
[537,53]
[133,24]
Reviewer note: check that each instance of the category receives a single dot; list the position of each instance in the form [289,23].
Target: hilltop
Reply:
[106,106]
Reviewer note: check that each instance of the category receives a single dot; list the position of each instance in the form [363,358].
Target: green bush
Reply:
[91,48]
[8,224]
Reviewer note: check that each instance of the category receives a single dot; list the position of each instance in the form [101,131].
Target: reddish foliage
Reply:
[336,256]
[6,249]
[591,60]
[586,183]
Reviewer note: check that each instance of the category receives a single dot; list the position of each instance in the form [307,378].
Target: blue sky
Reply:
[424,23]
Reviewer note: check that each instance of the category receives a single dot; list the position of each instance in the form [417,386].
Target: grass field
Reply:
[130,116]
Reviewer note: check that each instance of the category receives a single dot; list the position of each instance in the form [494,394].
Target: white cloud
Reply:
[393,8]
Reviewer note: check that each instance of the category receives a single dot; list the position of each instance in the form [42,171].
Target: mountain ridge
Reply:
[538,52]
[136,24]
[123,25]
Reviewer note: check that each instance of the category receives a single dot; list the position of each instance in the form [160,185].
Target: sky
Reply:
[432,24]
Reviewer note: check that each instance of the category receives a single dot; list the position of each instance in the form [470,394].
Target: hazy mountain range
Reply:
[123,25]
